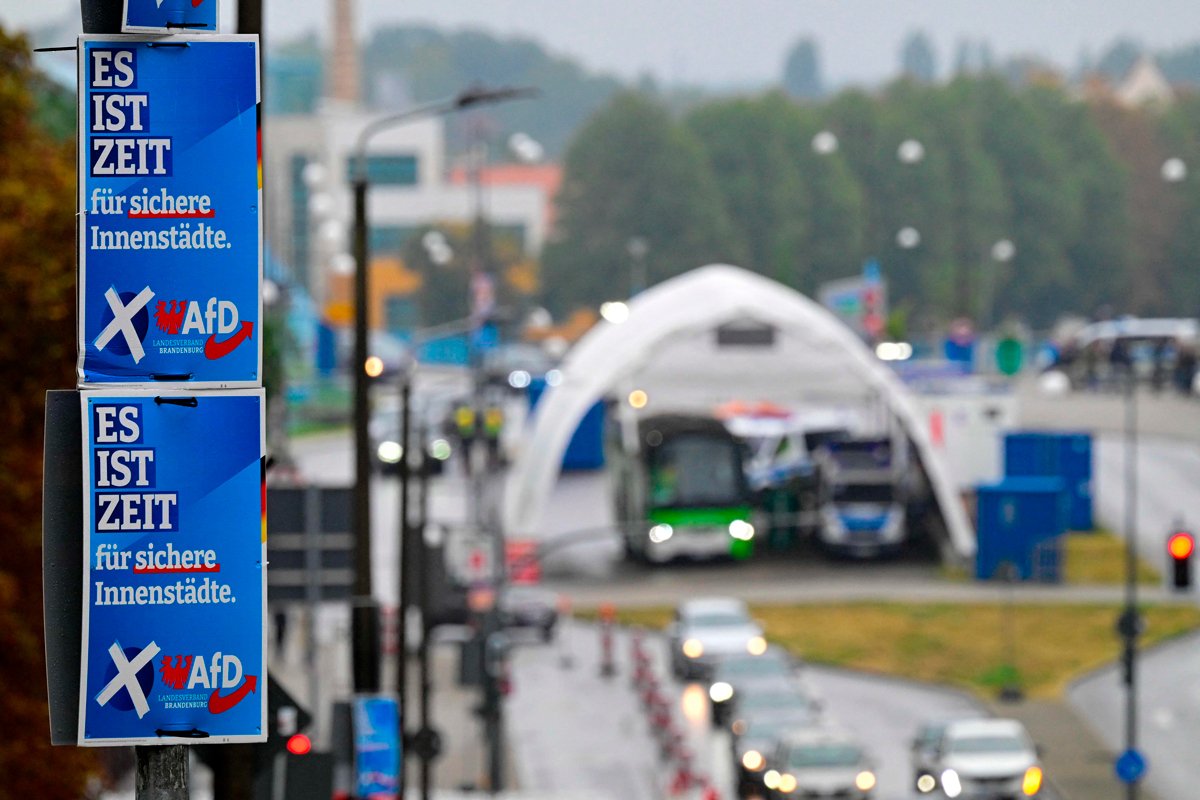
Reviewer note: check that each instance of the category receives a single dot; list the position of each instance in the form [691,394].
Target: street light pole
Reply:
[365,621]
[1130,623]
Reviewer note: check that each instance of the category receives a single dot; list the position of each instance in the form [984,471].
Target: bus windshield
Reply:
[689,471]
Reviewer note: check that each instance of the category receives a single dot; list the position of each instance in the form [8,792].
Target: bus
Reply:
[681,490]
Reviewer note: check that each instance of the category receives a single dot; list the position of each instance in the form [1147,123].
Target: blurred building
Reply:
[308,153]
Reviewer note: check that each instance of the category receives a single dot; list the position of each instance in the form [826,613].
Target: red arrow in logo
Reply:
[214,349]
[219,703]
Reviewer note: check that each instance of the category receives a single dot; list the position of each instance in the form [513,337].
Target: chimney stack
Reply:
[343,72]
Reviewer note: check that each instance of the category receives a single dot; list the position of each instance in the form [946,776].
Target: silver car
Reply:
[988,759]
[820,763]
[705,630]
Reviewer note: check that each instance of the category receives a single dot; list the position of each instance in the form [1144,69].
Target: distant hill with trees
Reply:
[1075,185]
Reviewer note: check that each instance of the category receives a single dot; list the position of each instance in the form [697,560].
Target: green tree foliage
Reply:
[37,352]
[633,171]
[802,71]
[1076,186]
[748,150]
[1181,132]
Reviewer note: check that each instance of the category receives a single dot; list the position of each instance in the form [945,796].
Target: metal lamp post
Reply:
[365,630]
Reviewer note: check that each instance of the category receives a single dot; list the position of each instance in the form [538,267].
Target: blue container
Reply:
[1060,454]
[1020,522]
[1075,452]
[586,449]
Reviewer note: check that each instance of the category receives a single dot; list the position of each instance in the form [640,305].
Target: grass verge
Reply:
[1099,558]
[963,645]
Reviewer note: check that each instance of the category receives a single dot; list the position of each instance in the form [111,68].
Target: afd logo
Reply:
[215,318]
[219,672]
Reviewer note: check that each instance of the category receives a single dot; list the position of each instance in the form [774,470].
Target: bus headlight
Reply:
[741,530]
[661,532]
[389,452]
[756,645]
[720,692]
[865,780]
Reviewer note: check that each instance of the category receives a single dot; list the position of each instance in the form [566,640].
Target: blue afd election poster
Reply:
[169,16]
[170,223]
[377,747]
[174,568]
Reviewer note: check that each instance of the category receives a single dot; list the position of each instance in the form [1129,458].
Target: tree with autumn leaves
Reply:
[37,352]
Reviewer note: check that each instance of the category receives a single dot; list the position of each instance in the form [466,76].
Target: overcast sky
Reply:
[735,42]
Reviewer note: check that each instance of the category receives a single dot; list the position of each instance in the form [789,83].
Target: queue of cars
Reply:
[785,746]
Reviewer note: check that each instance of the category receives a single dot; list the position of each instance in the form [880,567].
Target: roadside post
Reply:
[170,416]
[608,616]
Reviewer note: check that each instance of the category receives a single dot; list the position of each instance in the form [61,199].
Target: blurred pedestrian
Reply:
[493,427]
[465,429]
[1185,367]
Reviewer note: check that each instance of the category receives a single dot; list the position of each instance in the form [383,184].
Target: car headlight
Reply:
[926,783]
[720,691]
[692,648]
[389,452]
[741,530]
[951,785]
[787,783]
[756,645]
[1031,784]
[865,780]
[753,760]
[771,779]
[661,532]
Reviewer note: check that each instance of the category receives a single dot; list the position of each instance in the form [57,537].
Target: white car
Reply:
[990,759]
[706,630]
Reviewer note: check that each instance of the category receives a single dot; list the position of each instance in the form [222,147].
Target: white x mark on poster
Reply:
[126,677]
[123,321]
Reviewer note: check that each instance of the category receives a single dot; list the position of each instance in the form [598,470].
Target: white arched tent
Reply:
[816,358]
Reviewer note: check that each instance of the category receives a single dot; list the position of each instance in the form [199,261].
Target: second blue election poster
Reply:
[170,223]
[174,541]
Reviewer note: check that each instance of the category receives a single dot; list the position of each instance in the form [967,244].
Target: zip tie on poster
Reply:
[54,49]
[168,44]
[187,25]
[191,733]
[189,402]
[171,376]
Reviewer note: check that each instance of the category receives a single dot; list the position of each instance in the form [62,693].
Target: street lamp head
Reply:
[825,143]
[525,148]
[1003,251]
[907,238]
[1174,170]
[478,94]
[910,151]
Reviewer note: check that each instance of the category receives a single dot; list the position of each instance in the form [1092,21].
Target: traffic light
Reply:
[1180,546]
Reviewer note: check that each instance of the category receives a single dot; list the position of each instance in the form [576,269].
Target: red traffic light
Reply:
[299,744]
[1181,545]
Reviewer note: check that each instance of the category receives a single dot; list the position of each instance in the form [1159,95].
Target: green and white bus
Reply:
[681,490]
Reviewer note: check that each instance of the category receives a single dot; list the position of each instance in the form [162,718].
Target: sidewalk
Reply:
[1077,764]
